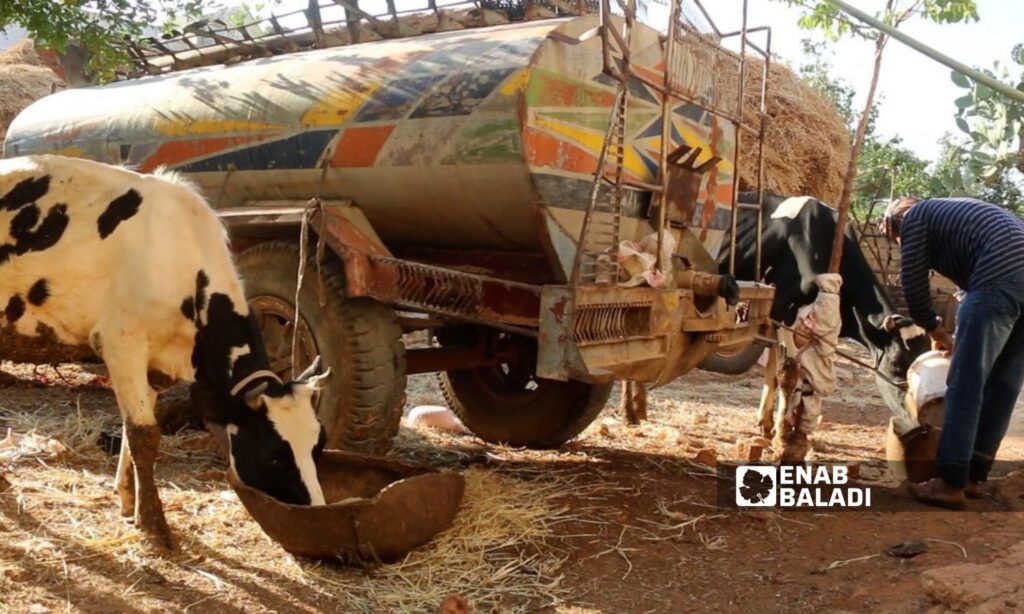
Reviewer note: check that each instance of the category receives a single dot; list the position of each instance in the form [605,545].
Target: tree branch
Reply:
[1020,152]
[856,27]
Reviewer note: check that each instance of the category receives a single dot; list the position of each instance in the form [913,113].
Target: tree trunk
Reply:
[858,144]
[1020,152]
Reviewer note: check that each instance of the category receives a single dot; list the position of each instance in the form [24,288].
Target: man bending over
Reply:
[980,247]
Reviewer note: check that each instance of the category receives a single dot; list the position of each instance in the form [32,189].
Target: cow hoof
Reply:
[162,539]
[795,448]
[157,532]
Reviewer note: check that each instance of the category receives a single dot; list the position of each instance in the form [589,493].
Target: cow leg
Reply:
[792,419]
[626,402]
[634,402]
[789,400]
[639,394]
[144,441]
[766,409]
[126,476]
[126,357]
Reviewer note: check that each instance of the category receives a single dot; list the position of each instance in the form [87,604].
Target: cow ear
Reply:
[254,398]
[315,380]
[310,370]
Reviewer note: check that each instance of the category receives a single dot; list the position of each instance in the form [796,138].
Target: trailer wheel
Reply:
[735,362]
[360,340]
[508,404]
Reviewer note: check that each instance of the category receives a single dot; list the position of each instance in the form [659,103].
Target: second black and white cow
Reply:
[135,269]
[797,236]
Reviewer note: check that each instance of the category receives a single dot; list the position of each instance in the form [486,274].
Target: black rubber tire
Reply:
[360,340]
[735,363]
[545,417]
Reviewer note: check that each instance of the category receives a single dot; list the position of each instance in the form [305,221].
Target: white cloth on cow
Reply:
[821,318]
[815,358]
[637,261]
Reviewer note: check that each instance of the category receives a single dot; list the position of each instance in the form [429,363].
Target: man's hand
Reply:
[941,339]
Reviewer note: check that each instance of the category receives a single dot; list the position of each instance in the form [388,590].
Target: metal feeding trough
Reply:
[912,440]
[377,509]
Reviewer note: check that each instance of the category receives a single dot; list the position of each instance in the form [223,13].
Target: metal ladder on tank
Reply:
[596,261]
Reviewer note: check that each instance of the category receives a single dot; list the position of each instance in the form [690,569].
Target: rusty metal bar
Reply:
[682,96]
[765,73]
[666,130]
[710,21]
[749,31]
[739,143]
[315,21]
[432,360]
[451,293]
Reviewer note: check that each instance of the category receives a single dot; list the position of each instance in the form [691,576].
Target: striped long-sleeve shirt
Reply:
[971,242]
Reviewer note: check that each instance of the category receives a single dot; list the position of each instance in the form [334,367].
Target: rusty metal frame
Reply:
[371,271]
[214,42]
[759,132]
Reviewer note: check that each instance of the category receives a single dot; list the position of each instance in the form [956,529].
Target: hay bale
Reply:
[21,52]
[807,145]
[20,86]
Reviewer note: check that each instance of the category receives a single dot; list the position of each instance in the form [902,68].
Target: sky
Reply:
[917,92]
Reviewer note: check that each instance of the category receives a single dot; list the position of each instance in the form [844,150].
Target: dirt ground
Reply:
[621,520]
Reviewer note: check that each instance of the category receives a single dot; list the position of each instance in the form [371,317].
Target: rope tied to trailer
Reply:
[314,207]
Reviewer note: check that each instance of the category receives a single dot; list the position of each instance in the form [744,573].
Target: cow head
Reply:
[275,438]
[900,343]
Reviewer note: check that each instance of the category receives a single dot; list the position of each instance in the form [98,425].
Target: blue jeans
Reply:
[985,378]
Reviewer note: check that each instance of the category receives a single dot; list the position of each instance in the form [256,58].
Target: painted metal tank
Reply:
[480,138]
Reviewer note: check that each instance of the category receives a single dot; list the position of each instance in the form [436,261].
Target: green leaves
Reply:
[950,11]
[964,102]
[97,25]
[995,129]
[960,79]
[826,17]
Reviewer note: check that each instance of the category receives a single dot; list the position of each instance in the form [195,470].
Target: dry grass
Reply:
[807,145]
[65,547]
[539,528]
[21,52]
[21,85]
[24,78]
[495,554]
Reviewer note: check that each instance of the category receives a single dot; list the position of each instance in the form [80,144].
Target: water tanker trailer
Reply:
[483,184]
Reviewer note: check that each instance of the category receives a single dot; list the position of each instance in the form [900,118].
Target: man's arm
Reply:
[914,269]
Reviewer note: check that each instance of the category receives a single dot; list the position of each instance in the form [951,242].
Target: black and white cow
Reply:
[797,236]
[135,269]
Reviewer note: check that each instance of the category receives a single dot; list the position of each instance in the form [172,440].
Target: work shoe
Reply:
[938,493]
[973,490]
